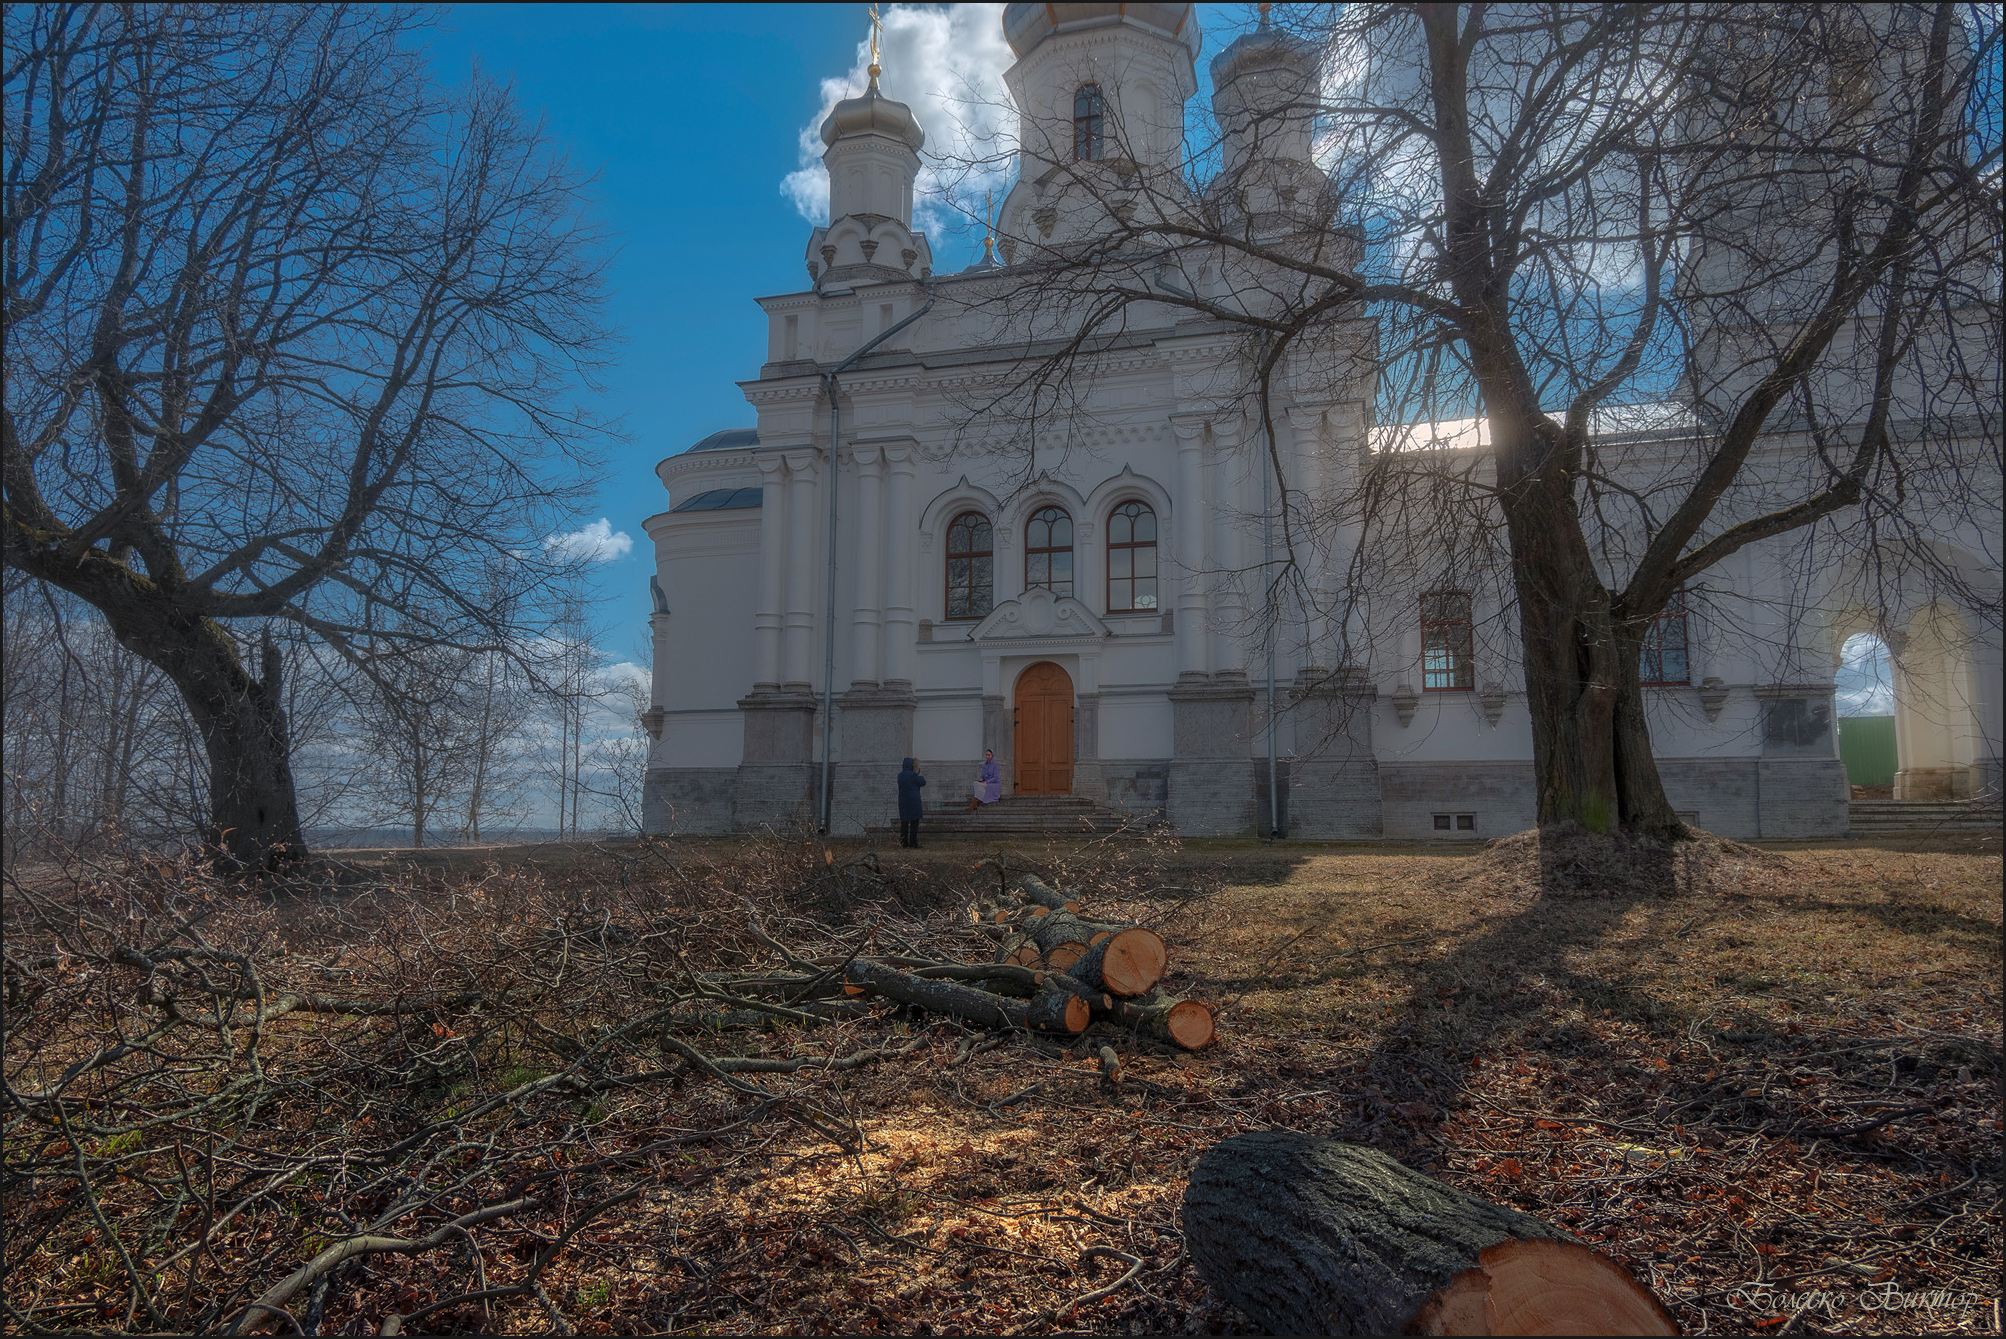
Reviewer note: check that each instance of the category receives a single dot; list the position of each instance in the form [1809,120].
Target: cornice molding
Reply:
[694,462]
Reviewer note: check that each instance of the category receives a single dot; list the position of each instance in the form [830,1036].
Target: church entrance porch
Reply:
[1043,736]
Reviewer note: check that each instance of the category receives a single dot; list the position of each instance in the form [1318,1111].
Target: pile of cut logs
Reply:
[1055,971]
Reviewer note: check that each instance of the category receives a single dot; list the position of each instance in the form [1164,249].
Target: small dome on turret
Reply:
[1025,26]
[1265,48]
[873,114]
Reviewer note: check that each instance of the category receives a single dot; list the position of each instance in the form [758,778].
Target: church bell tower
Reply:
[873,160]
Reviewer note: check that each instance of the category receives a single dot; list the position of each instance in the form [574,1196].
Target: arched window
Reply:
[1664,659]
[1448,651]
[1048,551]
[1088,114]
[1131,558]
[971,567]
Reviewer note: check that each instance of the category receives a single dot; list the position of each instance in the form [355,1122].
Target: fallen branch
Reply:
[341,1252]
[1050,1314]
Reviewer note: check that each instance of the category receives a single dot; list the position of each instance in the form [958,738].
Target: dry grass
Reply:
[1771,1081]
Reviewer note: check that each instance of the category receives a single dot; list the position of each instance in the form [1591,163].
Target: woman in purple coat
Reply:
[988,782]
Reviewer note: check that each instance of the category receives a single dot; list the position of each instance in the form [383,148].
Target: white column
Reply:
[1228,548]
[773,529]
[656,715]
[1321,551]
[1189,526]
[901,526]
[803,589]
[1345,460]
[658,638]
[867,618]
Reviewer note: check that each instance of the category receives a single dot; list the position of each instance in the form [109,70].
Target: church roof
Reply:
[1266,46]
[727,440]
[720,499]
[1025,26]
[873,114]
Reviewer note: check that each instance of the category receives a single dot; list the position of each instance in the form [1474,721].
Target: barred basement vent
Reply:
[1455,822]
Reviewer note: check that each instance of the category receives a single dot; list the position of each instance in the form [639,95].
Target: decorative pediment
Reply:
[1040,615]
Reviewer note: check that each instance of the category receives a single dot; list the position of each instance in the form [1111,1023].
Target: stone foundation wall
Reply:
[1353,799]
[949,783]
[1212,797]
[1210,790]
[1499,794]
[1264,817]
[688,801]
[1798,799]
[867,796]
[774,795]
[1136,786]
[1334,800]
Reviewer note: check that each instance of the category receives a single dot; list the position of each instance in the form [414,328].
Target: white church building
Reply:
[1086,612]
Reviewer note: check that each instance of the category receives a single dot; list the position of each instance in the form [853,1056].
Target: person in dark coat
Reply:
[909,807]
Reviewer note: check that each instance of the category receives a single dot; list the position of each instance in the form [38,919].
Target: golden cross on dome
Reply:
[988,224]
[877,29]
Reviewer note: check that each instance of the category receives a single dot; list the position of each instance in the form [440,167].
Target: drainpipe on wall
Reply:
[829,606]
[1267,564]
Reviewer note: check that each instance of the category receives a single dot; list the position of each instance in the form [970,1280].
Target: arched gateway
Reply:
[1044,733]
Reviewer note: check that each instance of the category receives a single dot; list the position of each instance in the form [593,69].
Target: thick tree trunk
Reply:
[1591,746]
[1313,1236]
[253,813]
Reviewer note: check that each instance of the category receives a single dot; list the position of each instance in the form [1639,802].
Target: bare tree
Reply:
[496,700]
[409,728]
[569,690]
[1711,276]
[98,748]
[290,336]
[618,762]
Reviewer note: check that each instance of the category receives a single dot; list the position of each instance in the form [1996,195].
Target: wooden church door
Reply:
[1044,734]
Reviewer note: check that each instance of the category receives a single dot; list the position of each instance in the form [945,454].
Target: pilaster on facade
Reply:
[901,631]
[1190,552]
[769,620]
[867,546]
[804,590]
[1211,771]
[1228,510]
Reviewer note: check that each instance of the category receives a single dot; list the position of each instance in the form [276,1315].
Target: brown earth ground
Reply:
[1773,1094]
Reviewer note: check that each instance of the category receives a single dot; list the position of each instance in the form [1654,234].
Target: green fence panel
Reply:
[1867,746]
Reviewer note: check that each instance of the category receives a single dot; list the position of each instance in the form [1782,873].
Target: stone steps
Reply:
[1883,818]
[1018,815]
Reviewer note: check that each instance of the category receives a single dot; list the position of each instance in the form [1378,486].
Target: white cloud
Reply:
[1865,678]
[946,62]
[625,674]
[595,542]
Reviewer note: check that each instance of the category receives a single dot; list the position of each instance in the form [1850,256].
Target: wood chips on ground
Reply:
[1770,1088]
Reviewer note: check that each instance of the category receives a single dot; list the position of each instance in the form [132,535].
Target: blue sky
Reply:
[690,118]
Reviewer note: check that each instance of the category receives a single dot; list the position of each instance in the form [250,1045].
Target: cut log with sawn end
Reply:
[1036,890]
[1060,936]
[1184,1023]
[1122,960]
[1051,1010]
[1020,950]
[1314,1236]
